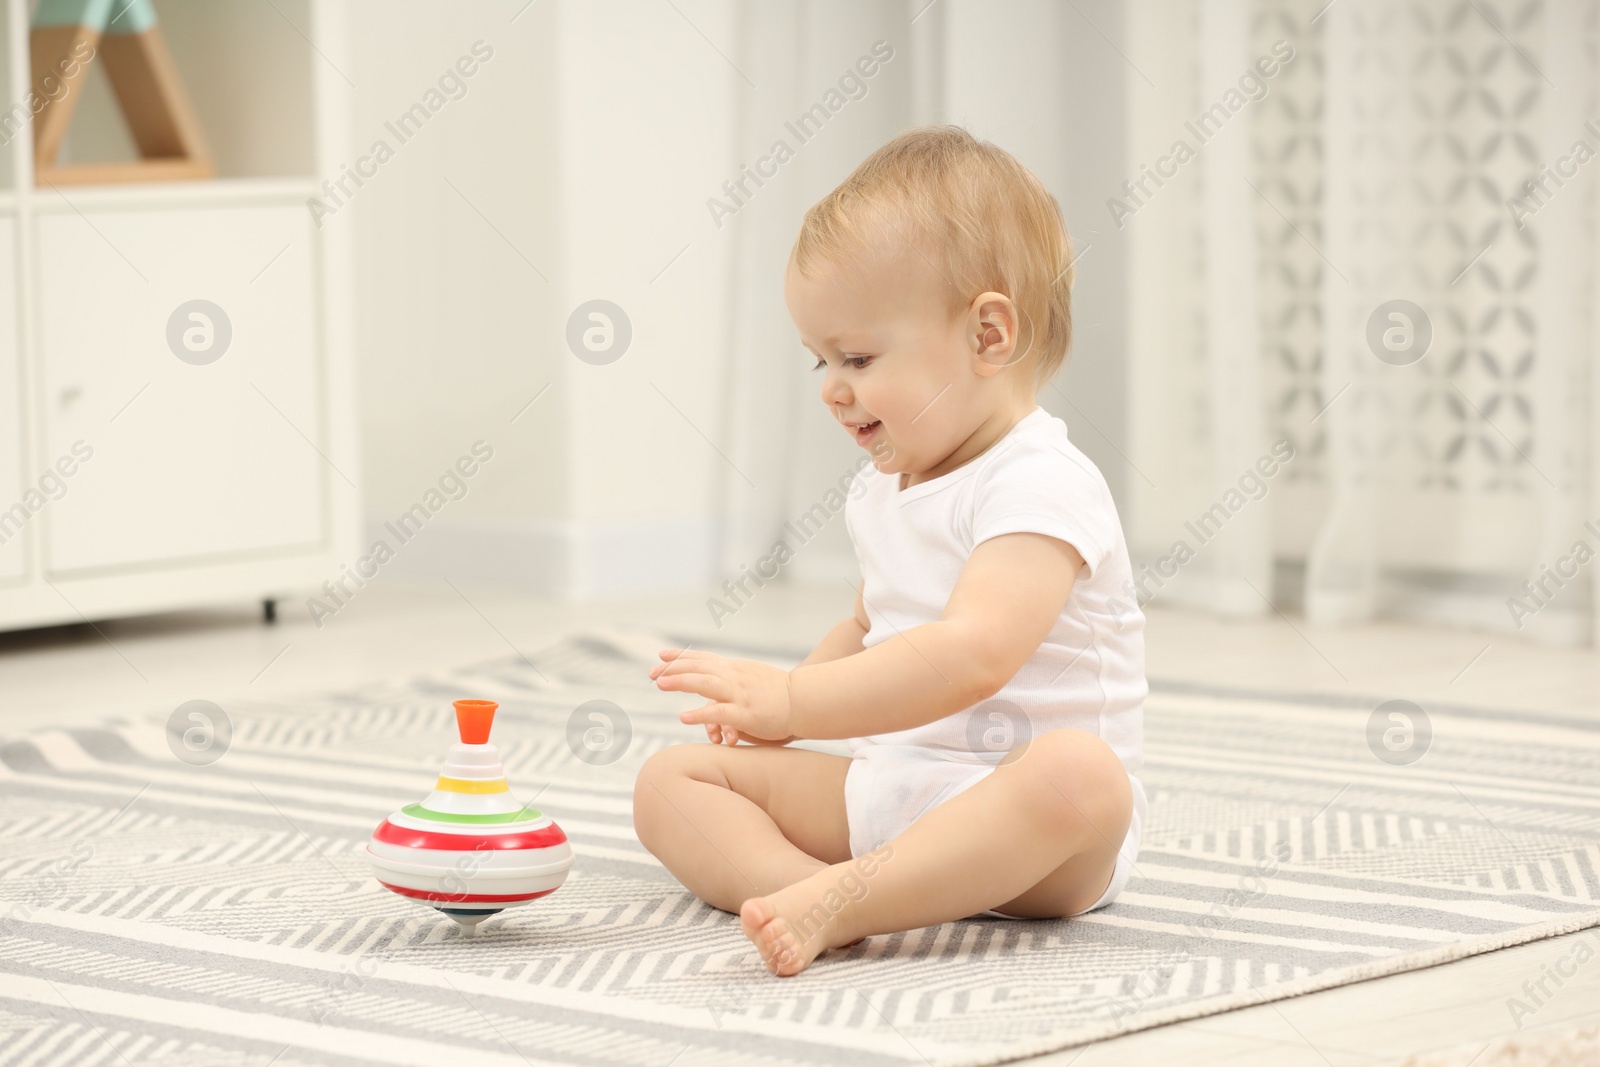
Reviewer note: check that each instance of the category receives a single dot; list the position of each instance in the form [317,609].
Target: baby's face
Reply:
[896,364]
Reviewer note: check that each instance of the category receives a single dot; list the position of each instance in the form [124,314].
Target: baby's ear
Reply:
[992,333]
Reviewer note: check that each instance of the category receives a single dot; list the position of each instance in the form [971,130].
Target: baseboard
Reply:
[1462,601]
[571,561]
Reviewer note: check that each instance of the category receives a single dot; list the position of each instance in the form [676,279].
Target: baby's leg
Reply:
[1037,838]
[734,822]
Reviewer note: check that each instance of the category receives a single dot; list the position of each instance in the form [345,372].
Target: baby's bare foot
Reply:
[790,928]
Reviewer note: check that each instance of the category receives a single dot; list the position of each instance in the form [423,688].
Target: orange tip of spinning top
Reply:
[474,719]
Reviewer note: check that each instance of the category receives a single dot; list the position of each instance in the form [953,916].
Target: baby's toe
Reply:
[770,934]
[783,950]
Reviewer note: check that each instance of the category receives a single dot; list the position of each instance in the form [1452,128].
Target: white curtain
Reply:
[1353,184]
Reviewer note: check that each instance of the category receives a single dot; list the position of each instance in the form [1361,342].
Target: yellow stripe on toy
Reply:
[470,785]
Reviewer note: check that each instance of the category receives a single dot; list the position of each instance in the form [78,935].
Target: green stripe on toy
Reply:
[106,16]
[417,811]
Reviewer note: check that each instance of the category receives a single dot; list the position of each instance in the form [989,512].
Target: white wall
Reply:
[645,132]
[453,322]
[574,168]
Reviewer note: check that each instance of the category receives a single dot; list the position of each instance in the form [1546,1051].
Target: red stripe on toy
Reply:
[406,837]
[465,898]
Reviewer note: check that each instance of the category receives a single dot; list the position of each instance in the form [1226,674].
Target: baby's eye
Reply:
[854,362]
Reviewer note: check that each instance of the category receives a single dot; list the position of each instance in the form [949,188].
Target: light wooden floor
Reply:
[76,674]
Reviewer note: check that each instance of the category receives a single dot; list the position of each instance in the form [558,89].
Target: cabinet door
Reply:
[13,479]
[204,420]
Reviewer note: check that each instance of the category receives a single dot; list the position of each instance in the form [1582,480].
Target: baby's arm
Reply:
[1007,598]
[841,641]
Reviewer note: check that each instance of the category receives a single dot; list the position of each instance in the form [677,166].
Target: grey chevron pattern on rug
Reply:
[152,911]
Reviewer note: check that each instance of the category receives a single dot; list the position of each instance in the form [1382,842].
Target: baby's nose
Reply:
[835,390]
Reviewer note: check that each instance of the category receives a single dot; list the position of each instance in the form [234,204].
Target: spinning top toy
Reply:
[470,849]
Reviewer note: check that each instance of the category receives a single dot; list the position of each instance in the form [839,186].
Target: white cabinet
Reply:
[204,421]
[13,522]
[176,479]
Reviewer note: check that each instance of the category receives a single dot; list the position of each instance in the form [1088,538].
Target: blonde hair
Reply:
[989,223]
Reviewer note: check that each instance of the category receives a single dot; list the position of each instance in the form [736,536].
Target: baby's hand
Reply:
[719,734]
[727,735]
[747,698]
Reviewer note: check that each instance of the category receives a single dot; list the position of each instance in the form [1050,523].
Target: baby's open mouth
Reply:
[866,429]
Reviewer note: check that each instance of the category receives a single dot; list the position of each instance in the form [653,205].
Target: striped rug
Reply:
[153,910]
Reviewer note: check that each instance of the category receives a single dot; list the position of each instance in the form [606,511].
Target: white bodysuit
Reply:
[1087,674]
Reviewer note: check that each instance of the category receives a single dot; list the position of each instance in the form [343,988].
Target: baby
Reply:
[990,681]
